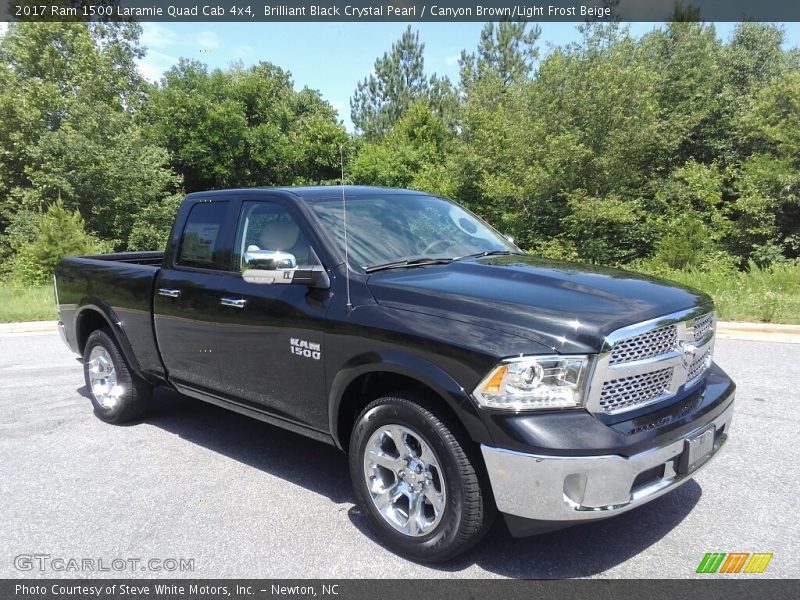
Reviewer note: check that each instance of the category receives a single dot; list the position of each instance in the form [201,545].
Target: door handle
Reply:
[234,302]
[169,293]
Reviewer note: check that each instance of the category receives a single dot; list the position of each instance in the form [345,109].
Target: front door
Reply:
[271,335]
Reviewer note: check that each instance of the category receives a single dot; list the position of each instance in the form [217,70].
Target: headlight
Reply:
[535,382]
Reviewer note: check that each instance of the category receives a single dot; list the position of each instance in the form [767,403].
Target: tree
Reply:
[58,232]
[412,155]
[68,102]
[506,51]
[398,81]
[243,127]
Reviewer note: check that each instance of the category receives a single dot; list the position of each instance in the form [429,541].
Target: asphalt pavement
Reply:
[241,498]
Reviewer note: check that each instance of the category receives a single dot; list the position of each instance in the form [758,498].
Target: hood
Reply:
[568,307]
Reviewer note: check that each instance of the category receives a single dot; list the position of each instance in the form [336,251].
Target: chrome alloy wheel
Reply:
[405,480]
[103,377]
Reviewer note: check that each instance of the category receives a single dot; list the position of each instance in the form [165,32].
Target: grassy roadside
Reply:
[768,295]
[26,304]
[759,295]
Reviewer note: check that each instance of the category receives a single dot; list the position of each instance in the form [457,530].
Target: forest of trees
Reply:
[673,148]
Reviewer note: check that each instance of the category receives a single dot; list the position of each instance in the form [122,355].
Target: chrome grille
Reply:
[698,366]
[627,392]
[702,325]
[645,345]
[652,361]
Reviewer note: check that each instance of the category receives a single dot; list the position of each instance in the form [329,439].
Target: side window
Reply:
[201,242]
[266,228]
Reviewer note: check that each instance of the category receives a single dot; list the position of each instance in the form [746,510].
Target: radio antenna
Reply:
[344,220]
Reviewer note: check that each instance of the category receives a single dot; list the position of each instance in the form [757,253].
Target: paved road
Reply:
[245,499]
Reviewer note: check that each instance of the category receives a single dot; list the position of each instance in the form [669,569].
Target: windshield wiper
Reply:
[490,253]
[413,262]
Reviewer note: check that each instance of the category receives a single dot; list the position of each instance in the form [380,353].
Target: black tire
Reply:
[468,508]
[133,396]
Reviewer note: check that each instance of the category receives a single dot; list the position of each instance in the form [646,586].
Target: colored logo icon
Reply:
[734,562]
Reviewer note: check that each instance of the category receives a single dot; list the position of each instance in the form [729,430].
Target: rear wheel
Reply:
[117,394]
[415,482]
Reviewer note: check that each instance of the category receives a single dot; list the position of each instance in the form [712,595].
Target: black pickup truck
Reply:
[462,376]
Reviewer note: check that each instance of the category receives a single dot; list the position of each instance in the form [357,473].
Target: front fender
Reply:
[414,367]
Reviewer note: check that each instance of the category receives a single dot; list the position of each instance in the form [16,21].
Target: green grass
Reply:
[759,295]
[26,303]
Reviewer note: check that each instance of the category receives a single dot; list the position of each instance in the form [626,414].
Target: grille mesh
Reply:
[702,325]
[645,345]
[698,366]
[626,392]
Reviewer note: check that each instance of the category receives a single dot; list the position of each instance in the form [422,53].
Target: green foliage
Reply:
[676,145]
[398,82]
[243,127]
[69,96]
[675,152]
[755,294]
[506,53]
[18,303]
[410,156]
[59,232]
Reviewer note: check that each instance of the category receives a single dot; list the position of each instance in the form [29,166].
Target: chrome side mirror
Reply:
[312,276]
[270,266]
[269,260]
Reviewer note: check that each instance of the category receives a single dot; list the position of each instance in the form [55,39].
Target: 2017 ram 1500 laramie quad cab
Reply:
[462,376]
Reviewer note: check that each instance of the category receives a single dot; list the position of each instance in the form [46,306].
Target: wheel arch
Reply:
[90,318]
[366,378]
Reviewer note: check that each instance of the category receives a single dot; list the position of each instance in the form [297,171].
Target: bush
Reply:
[59,233]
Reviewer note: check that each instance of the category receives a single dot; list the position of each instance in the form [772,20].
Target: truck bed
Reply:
[120,286]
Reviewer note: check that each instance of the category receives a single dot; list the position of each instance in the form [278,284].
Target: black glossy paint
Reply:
[444,326]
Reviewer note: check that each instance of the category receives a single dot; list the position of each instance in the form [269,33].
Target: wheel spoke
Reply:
[384,460]
[428,457]
[416,520]
[399,437]
[384,499]
[436,500]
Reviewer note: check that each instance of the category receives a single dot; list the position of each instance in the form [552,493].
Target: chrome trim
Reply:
[55,294]
[603,371]
[169,293]
[233,302]
[575,488]
[62,332]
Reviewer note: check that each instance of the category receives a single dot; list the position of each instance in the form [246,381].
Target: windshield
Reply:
[404,227]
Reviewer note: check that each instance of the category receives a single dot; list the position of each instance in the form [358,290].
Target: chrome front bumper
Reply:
[574,488]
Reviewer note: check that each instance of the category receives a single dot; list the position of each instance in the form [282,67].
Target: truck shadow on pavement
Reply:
[580,551]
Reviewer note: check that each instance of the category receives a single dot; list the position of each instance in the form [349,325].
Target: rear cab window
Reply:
[201,245]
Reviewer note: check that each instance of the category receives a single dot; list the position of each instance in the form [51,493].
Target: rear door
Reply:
[186,304]
[271,335]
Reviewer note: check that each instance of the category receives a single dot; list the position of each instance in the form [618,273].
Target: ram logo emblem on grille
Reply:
[688,352]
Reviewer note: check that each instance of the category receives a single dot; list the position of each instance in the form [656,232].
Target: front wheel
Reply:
[117,394]
[414,480]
